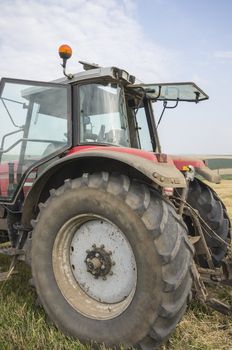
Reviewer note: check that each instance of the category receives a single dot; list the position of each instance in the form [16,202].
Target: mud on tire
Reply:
[158,239]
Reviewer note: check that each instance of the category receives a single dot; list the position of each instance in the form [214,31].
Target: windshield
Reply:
[34,124]
[103,117]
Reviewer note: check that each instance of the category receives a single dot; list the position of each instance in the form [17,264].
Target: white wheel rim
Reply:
[82,238]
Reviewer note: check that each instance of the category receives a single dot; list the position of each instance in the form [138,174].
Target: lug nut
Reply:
[103,267]
[94,245]
[88,259]
[97,255]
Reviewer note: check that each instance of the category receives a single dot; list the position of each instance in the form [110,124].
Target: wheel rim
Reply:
[94,266]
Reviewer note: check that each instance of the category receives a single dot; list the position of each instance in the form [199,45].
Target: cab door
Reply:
[35,126]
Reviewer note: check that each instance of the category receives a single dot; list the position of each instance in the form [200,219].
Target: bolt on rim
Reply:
[94,266]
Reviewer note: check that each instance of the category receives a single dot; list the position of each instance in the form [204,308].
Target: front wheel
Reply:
[111,262]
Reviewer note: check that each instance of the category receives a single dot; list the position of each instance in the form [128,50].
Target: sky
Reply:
[155,40]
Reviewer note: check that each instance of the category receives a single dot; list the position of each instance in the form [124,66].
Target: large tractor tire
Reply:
[202,198]
[111,262]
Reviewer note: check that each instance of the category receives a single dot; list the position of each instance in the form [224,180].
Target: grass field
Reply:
[24,326]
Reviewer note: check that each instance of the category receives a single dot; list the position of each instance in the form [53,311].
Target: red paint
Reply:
[179,163]
[4,177]
[133,151]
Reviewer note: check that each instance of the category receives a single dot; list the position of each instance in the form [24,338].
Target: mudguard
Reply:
[199,165]
[161,174]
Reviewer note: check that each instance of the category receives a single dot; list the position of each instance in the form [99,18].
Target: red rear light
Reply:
[168,191]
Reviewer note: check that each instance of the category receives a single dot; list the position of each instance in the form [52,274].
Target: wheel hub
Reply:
[98,261]
[102,261]
[95,266]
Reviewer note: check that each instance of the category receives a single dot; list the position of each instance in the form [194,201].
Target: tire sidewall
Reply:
[134,323]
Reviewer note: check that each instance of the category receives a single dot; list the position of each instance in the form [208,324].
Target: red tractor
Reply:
[117,234]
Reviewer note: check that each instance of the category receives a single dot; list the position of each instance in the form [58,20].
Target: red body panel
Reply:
[178,161]
[4,177]
[136,152]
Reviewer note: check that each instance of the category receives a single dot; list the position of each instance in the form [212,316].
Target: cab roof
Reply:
[181,91]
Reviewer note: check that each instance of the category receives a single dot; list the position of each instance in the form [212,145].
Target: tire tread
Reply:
[170,240]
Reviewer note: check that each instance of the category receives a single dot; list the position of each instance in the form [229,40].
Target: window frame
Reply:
[3,82]
[77,116]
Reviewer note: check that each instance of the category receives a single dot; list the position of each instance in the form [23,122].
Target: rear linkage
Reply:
[211,275]
[17,253]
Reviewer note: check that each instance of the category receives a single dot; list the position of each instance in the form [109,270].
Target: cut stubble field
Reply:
[23,325]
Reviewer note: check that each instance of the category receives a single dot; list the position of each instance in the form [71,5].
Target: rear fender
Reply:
[199,166]
[73,166]
[208,174]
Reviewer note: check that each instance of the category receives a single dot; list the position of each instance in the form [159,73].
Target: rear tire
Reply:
[213,212]
[162,257]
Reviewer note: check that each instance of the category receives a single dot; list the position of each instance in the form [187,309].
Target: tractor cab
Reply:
[96,107]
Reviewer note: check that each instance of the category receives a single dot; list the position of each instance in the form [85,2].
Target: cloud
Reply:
[107,32]
[104,32]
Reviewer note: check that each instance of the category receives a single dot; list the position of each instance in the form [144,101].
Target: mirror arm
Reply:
[166,107]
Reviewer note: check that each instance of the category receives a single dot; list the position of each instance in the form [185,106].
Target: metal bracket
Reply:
[14,252]
[203,296]
[11,251]
[189,176]
[199,284]
[211,276]
[219,306]
[227,268]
